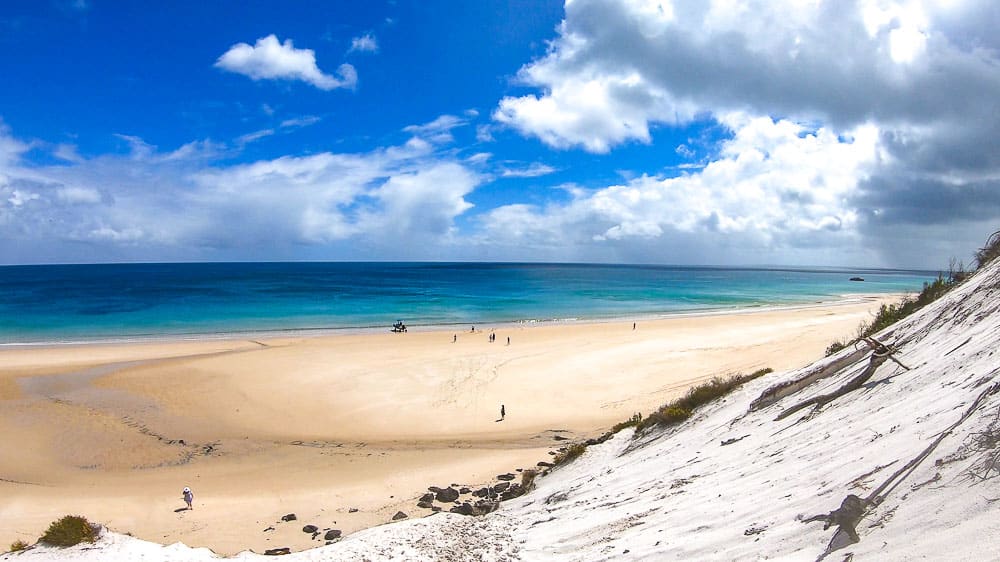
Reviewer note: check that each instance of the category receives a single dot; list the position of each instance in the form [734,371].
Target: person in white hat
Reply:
[188,497]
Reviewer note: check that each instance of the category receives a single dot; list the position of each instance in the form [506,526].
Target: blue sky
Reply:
[726,132]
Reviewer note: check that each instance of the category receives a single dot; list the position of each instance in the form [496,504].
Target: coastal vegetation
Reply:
[528,481]
[18,546]
[569,453]
[889,314]
[671,413]
[635,420]
[70,530]
[676,411]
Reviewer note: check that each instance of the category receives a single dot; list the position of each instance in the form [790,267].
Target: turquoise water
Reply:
[68,303]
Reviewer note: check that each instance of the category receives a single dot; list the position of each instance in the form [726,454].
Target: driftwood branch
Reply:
[878,494]
[846,517]
[781,390]
[853,508]
[880,353]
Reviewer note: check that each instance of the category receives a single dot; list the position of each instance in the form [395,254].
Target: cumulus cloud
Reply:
[924,74]
[615,69]
[364,44]
[273,60]
[777,191]
[173,203]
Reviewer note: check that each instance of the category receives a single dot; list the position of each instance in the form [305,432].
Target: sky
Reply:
[705,132]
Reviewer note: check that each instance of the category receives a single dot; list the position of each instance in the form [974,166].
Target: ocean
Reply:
[126,302]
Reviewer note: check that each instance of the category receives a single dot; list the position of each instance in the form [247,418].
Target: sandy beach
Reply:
[343,430]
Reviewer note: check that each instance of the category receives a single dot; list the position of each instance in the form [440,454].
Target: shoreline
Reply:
[320,425]
[307,332]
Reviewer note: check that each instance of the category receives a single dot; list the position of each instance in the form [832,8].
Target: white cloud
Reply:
[299,122]
[479,158]
[614,70]
[270,59]
[533,170]
[285,126]
[254,136]
[422,203]
[484,133]
[67,152]
[777,190]
[437,131]
[923,75]
[364,44]
[183,204]
[79,195]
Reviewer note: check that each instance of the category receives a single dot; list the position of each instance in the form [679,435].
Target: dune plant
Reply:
[990,251]
[631,422]
[528,480]
[889,314]
[681,409]
[569,453]
[70,530]
[835,347]
[18,545]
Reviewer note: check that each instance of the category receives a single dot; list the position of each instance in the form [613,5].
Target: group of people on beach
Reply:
[493,338]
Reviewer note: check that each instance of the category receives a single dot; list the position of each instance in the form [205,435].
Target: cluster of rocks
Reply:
[466,501]
[329,535]
[457,498]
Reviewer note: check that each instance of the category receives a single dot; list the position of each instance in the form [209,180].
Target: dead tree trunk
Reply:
[880,353]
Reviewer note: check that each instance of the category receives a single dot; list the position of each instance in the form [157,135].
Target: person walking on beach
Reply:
[454,338]
[503,412]
[188,496]
[508,340]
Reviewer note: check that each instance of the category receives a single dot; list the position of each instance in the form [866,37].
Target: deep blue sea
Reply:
[76,303]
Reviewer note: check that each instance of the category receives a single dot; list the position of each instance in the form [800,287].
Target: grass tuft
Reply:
[528,480]
[18,546]
[889,314]
[990,251]
[635,420]
[835,347]
[682,408]
[570,453]
[70,530]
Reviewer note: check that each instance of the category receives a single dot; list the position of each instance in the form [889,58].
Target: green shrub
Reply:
[69,531]
[889,314]
[681,409]
[989,252]
[669,415]
[528,480]
[570,453]
[633,421]
[835,347]
[18,545]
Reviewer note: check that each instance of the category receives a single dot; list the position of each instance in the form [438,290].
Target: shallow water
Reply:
[64,303]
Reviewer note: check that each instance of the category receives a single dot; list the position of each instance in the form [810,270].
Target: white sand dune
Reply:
[682,494]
